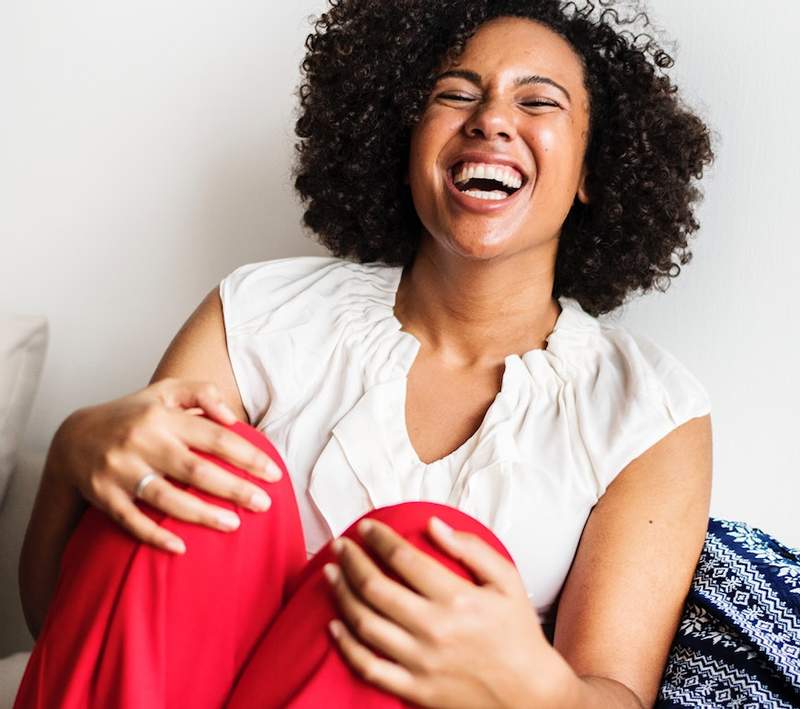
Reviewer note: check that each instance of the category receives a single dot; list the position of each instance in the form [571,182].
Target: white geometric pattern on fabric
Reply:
[704,682]
[738,642]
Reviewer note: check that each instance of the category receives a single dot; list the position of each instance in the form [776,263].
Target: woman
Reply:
[499,174]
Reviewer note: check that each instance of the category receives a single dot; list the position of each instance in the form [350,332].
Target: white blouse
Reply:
[321,363]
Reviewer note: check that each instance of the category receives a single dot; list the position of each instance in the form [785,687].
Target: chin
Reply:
[480,247]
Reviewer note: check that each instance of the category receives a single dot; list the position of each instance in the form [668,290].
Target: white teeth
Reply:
[480,194]
[502,173]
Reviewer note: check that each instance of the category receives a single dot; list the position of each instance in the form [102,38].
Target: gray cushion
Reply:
[23,343]
[14,514]
[11,670]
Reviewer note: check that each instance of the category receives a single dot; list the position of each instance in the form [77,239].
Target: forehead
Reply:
[517,45]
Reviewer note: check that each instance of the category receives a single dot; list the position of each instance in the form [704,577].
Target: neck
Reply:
[475,313]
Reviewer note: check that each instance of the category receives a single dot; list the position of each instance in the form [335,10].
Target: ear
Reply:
[583,194]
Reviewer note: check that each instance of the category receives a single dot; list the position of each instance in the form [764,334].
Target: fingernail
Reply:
[337,545]
[441,528]
[176,546]
[331,572]
[227,412]
[259,501]
[364,526]
[273,471]
[228,519]
[335,627]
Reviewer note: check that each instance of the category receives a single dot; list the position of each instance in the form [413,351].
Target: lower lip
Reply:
[478,205]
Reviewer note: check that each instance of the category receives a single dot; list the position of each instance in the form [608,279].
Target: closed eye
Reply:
[457,97]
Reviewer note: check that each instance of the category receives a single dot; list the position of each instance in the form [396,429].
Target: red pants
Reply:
[240,620]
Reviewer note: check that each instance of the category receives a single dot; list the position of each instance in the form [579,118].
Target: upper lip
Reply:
[488,158]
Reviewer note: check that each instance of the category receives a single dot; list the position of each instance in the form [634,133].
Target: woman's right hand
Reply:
[105,450]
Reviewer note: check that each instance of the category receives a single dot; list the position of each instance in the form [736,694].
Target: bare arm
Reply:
[621,604]
[197,354]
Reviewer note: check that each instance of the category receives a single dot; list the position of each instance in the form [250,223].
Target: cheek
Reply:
[554,143]
[548,138]
[557,153]
[432,134]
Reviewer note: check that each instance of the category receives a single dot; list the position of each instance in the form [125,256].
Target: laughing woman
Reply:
[490,177]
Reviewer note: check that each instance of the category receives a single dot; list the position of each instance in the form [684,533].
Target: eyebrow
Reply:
[475,78]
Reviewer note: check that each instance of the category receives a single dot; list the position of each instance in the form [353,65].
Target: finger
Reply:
[120,507]
[187,394]
[209,437]
[387,596]
[388,675]
[164,496]
[379,632]
[420,570]
[488,565]
[180,463]
[209,398]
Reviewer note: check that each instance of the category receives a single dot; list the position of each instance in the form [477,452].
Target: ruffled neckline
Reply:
[548,367]
[371,439]
[571,322]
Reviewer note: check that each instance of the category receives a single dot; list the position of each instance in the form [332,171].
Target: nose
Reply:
[491,119]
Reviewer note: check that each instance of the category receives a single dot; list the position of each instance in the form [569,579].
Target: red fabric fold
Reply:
[238,621]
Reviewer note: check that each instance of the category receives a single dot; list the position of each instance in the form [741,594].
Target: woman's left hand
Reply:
[452,643]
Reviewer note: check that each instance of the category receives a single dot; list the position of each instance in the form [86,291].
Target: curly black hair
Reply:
[368,72]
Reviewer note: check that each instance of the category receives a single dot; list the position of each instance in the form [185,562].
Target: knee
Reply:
[410,520]
[415,514]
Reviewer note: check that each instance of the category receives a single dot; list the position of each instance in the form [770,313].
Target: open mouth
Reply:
[485,181]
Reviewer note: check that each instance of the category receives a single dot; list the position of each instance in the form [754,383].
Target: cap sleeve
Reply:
[646,392]
[266,308]
[682,394]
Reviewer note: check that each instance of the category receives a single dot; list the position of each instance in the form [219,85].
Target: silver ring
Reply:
[143,483]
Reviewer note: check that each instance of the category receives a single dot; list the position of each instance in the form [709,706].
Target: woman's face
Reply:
[497,118]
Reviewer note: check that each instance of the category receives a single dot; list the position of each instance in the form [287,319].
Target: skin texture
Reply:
[480,287]
[535,125]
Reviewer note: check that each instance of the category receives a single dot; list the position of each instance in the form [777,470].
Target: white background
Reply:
[145,151]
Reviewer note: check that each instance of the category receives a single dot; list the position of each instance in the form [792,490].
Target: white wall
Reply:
[732,316]
[144,153]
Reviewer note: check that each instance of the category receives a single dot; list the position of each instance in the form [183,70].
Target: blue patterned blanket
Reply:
[738,644]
